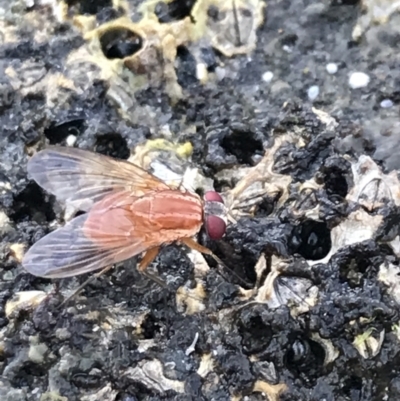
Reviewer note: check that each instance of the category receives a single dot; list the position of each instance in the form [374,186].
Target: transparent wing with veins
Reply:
[82,178]
[86,243]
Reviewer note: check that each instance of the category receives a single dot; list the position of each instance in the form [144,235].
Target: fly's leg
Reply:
[80,288]
[191,243]
[148,257]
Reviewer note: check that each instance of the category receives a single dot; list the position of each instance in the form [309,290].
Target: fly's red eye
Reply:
[215,227]
[212,196]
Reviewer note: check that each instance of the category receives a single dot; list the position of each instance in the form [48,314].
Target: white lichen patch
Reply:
[272,391]
[23,301]
[154,60]
[27,76]
[17,251]
[326,119]
[106,393]
[206,365]
[389,274]
[230,26]
[260,181]
[395,244]
[191,300]
[145,345]
[170,162]
[52,396]
[63,333]
[146,153]
[369,343]
[372,188]
[37,350]
[118,317]
[358,227]
[150,374]
[374,12]
[306,205]
[295,292]
[201,267]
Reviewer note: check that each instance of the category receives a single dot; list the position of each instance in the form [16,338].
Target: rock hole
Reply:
[57,134]
[289,40]
[150,327]
[335,182]
[334,176]
[113,145]
[174,10]
[27,374]
[312,240]
[120,43]
[255,335]
[31,204]
[215,14]
[305,357]
[245,12]
[357,267]
[243,143]
[266,205]
[353,387]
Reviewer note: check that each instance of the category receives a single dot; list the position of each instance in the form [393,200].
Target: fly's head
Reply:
[214,215]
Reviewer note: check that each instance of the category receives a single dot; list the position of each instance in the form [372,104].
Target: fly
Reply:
[128,211]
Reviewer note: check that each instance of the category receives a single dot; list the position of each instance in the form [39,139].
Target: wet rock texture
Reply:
[309,309]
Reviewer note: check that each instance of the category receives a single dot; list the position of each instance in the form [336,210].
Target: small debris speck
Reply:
[287,49]
[331,68]
[267,76]
[313,92]
[71,139]
[201,72]
[37,352]
[192,346]
[358,80]
[386,104]
[220,73]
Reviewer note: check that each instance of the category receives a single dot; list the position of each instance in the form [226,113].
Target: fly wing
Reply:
[88,242]
[82,178]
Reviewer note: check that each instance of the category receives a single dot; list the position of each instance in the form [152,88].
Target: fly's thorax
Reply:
[173,209]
